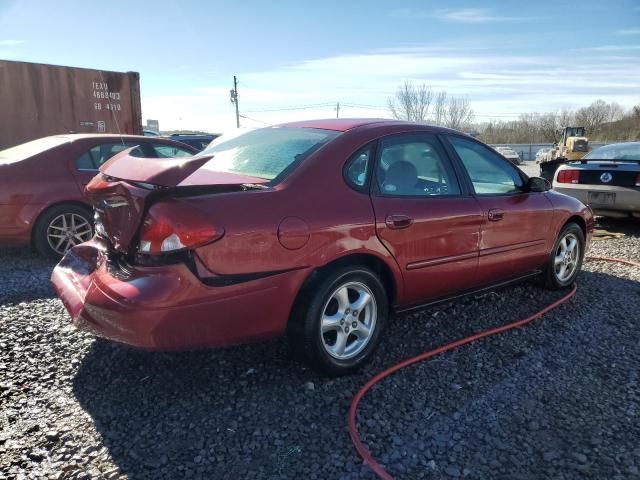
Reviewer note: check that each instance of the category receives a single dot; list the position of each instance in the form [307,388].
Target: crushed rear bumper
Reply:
[168,307]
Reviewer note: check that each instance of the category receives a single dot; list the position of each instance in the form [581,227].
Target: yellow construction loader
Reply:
[572,146]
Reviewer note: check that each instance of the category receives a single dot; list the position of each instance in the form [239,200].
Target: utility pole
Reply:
[338,110]
[234,99]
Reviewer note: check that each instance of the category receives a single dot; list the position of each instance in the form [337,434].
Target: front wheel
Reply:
[566,258]
[341,324]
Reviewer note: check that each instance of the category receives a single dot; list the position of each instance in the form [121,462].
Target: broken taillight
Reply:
[171,226]
[568,176]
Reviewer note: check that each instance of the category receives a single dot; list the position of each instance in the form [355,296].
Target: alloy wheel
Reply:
[348,320]
[68,230]
[567,257]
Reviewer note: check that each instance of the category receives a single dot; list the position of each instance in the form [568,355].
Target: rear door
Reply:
[424,216]
[515,236]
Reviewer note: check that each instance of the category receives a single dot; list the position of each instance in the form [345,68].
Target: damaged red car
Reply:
[319,230]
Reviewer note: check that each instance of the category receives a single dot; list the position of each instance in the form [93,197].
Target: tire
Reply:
[340,349]
[50,225]
[552,276]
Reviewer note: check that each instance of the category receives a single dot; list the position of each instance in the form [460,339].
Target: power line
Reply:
[292,107]
[255,120]
[365,106]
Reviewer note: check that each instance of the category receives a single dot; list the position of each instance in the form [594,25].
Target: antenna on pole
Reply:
[234,99]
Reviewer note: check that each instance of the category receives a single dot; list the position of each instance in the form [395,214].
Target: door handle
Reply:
[398,221]
[496,214]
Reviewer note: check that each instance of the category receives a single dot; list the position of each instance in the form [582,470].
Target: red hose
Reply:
[353,426]
[614,260]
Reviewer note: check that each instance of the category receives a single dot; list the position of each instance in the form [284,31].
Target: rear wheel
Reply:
[340,326]
[566,258]
[60,228]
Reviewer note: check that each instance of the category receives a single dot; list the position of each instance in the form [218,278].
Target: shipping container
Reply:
[37,100]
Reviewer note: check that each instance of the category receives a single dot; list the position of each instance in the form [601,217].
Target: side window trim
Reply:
[461,171]
[446,157]
[452,152]
[366,188]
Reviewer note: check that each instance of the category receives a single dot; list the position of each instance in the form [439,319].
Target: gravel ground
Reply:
[557,399]
[531,168]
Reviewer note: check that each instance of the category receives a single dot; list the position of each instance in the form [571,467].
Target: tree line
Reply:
[602,120]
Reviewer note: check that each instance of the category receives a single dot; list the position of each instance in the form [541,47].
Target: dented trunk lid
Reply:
[127,186]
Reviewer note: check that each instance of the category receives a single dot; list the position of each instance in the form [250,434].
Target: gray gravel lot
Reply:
[531,168]
[557,399]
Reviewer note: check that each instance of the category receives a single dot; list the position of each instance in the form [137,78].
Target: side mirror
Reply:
[538,184]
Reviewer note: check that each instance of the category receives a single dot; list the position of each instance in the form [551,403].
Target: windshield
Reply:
[617,151]
[575,132]
[29,149]
[267,152]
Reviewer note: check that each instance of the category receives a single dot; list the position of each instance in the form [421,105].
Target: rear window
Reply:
[267,153]
[617,151]
[29,149]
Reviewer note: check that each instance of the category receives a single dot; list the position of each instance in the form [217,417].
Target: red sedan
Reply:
[42,199]
[317,229]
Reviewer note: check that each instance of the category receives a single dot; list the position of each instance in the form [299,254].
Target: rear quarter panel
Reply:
[28,187]
[338,220]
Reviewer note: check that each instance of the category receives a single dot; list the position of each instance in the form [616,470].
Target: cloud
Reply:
[610,48]
[495,82]
[628,31]
[460,15]
[10,43]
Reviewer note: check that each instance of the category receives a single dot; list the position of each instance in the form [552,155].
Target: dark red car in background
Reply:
[42,199]
[317,229]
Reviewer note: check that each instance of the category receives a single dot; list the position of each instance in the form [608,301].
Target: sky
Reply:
[297,60]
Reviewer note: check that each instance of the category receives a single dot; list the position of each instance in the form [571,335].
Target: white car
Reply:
[510,154]
[542,154]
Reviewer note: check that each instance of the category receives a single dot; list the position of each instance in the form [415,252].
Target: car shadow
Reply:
[252,412]
[618,226]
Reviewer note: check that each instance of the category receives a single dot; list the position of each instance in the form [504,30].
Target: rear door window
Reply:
[163,150]
[415,165]
[93,158]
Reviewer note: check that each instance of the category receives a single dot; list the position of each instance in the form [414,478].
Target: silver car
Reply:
[541,154]
[607,179]
[510,154]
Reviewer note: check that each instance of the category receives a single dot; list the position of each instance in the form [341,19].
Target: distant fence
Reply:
[527,151]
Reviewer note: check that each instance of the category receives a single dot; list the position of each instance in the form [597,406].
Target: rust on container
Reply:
[37,100]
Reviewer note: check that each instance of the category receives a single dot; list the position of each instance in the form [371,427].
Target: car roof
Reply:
[107,136]
[345,124]
[192,135]
[619,144]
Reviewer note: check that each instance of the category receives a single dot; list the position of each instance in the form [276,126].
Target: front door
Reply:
[514,233]
[424,217]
